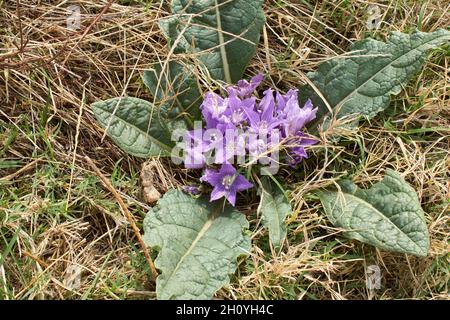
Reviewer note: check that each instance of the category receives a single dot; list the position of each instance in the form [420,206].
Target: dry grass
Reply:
[57,221]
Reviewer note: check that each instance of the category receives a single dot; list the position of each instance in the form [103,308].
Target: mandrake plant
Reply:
[239,140]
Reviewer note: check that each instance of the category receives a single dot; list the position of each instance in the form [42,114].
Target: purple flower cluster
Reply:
[238,125]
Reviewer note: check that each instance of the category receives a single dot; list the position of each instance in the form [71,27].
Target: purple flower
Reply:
[302,116]
[191,189]
[262,119]
[297,150]
[235,113]
[294,117]
[245,88]
[213,108]
[282,99]
[226,183]
[238,125]
[195,147]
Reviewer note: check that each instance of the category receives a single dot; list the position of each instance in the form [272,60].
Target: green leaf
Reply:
[135,126]
[362,83]
[178,91]
[223,34]
[388,215]
[274,208]
[199,243]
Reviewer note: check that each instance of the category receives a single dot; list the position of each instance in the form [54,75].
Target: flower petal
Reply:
[217,193]
[231,197]
[241,184]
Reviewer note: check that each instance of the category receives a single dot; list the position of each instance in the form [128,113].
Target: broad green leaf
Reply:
[362,83]
[135,126]
[199,243]
[388,215]
[178,91]
[224,34]
[274,208]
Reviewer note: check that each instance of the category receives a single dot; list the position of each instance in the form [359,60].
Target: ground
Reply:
[57,220]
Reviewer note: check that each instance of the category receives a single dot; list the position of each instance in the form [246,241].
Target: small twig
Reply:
[23,43]
[19,18]
[97,18]
[137,293]
[3,278]
[20,171]
[62,52]
[37,259]
[126,212]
